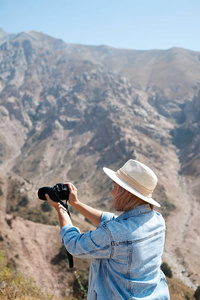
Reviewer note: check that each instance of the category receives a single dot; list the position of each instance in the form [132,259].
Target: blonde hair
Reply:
[125,201]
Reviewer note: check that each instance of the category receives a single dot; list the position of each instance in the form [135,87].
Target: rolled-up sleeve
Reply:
[106,216]
[93,244]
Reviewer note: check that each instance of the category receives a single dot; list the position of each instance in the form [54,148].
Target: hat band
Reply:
[134,184]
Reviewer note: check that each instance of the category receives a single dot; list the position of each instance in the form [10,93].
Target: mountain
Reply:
[68,110]
[4,36]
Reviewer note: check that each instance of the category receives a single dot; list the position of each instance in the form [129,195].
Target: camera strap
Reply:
[69,256]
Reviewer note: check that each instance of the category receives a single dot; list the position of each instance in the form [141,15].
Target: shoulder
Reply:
[133,226]
[106,216]
[159,217]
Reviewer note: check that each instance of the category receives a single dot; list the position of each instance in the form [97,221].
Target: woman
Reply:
[125,251]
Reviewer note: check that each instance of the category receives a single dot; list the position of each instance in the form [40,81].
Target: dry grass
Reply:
[17,286]
[178,291]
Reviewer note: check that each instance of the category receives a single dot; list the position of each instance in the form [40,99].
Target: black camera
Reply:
[60,191]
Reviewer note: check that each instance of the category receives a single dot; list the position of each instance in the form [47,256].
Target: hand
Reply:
[73,199]
[56,205]
[63,215]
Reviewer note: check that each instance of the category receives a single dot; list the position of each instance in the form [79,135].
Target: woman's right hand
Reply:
[93,215]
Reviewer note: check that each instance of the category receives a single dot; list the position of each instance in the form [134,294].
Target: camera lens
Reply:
[45,190]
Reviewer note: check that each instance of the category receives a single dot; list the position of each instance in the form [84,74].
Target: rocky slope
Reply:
[68,110]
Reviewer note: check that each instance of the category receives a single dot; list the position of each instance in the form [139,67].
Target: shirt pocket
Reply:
[122,257]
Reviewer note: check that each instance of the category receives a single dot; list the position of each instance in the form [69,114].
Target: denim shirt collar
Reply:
[140,209]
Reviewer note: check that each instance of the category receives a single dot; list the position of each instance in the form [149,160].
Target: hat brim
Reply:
[110,173]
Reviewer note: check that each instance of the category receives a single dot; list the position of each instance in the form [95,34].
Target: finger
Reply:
[70,186]
[48,198]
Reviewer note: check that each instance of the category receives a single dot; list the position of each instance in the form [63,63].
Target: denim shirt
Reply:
[125,255]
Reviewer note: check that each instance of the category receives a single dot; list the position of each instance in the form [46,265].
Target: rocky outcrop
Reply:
[187,137]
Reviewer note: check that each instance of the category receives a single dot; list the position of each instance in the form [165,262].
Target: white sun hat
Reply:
[136,178]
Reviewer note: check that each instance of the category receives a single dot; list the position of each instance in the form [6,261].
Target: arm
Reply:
[63,216]
[92,244]
[92,214]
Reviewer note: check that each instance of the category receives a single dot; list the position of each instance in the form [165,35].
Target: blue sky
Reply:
[131,24]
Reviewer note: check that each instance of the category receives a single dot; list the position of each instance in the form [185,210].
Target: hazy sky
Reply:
[133,24]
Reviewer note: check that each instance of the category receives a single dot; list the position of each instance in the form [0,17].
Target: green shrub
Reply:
[187,296]
[80,285]
[63,252]
[1,192]
[61,256]
[166,270]
[197,293]
[46,207]
[12,209]
[24,201]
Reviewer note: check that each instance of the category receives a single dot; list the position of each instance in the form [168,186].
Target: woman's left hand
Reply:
[56,205]
[63,215]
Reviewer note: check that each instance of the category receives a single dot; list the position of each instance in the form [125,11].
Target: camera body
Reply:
[58,192]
